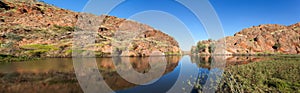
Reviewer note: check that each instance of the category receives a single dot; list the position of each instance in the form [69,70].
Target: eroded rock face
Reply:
[33,28]
[264,39]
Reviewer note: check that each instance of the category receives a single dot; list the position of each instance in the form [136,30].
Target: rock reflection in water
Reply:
[57,74]
[205,61]
[116,82]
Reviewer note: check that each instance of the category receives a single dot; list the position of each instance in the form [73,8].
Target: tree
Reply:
[200,47]
[211,48]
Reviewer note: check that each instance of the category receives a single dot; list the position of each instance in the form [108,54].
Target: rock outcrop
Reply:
[262,39]
[31,28]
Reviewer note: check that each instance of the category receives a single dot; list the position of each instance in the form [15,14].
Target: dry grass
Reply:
[279,75]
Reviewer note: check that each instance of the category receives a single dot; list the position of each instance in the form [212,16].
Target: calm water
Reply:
[58,74]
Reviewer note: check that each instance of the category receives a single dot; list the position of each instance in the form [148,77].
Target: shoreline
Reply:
[11,58]
[243,54]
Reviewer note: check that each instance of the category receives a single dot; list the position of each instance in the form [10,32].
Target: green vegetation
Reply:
[133,46]
[13,36]
[253,39]
[119,49]
[200,47]
[99,54]
[279,75]
[63,28]
[211,48]
[38,49]
[68,52]
[265,53]
[39,46]
[6,45]
[172,53]
[157,42]
[10,58]
[11,10]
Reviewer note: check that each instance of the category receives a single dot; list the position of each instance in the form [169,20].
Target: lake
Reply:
[165,74]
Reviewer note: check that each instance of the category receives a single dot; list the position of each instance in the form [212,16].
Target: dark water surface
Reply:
[58,74]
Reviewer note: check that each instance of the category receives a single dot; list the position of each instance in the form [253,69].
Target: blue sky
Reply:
[233,14]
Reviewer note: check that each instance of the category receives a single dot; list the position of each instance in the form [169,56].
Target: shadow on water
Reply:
[57,74]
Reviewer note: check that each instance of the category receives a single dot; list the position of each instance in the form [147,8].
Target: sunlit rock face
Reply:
[32,28]
[262,39]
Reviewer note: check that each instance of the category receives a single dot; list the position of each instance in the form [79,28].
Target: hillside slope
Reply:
[31,28]
[262,39]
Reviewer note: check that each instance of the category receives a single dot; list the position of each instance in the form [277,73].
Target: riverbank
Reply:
[10,58]
[278,75]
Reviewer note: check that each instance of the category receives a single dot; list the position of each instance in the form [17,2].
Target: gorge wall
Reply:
[262,39]
[32,28]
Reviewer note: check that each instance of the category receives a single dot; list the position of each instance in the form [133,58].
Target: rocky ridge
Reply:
[262,39]
[32,28]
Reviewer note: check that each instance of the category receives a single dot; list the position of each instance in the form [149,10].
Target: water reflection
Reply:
[57,74]
[211,69]
[205,61]
[116,82]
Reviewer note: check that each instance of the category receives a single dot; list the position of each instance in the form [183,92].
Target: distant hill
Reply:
[262,39]
[31,28]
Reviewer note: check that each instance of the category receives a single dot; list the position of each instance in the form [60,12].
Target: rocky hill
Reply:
[32,28]
[262,39]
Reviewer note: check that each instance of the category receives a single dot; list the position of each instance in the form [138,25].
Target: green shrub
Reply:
[211,48]
[280,75]
[64,28]
[38,49]
[171,53]
[13,36]
[200,47]
[7,45]
[11,58]
[70,51]
[99,54]
[39,46]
